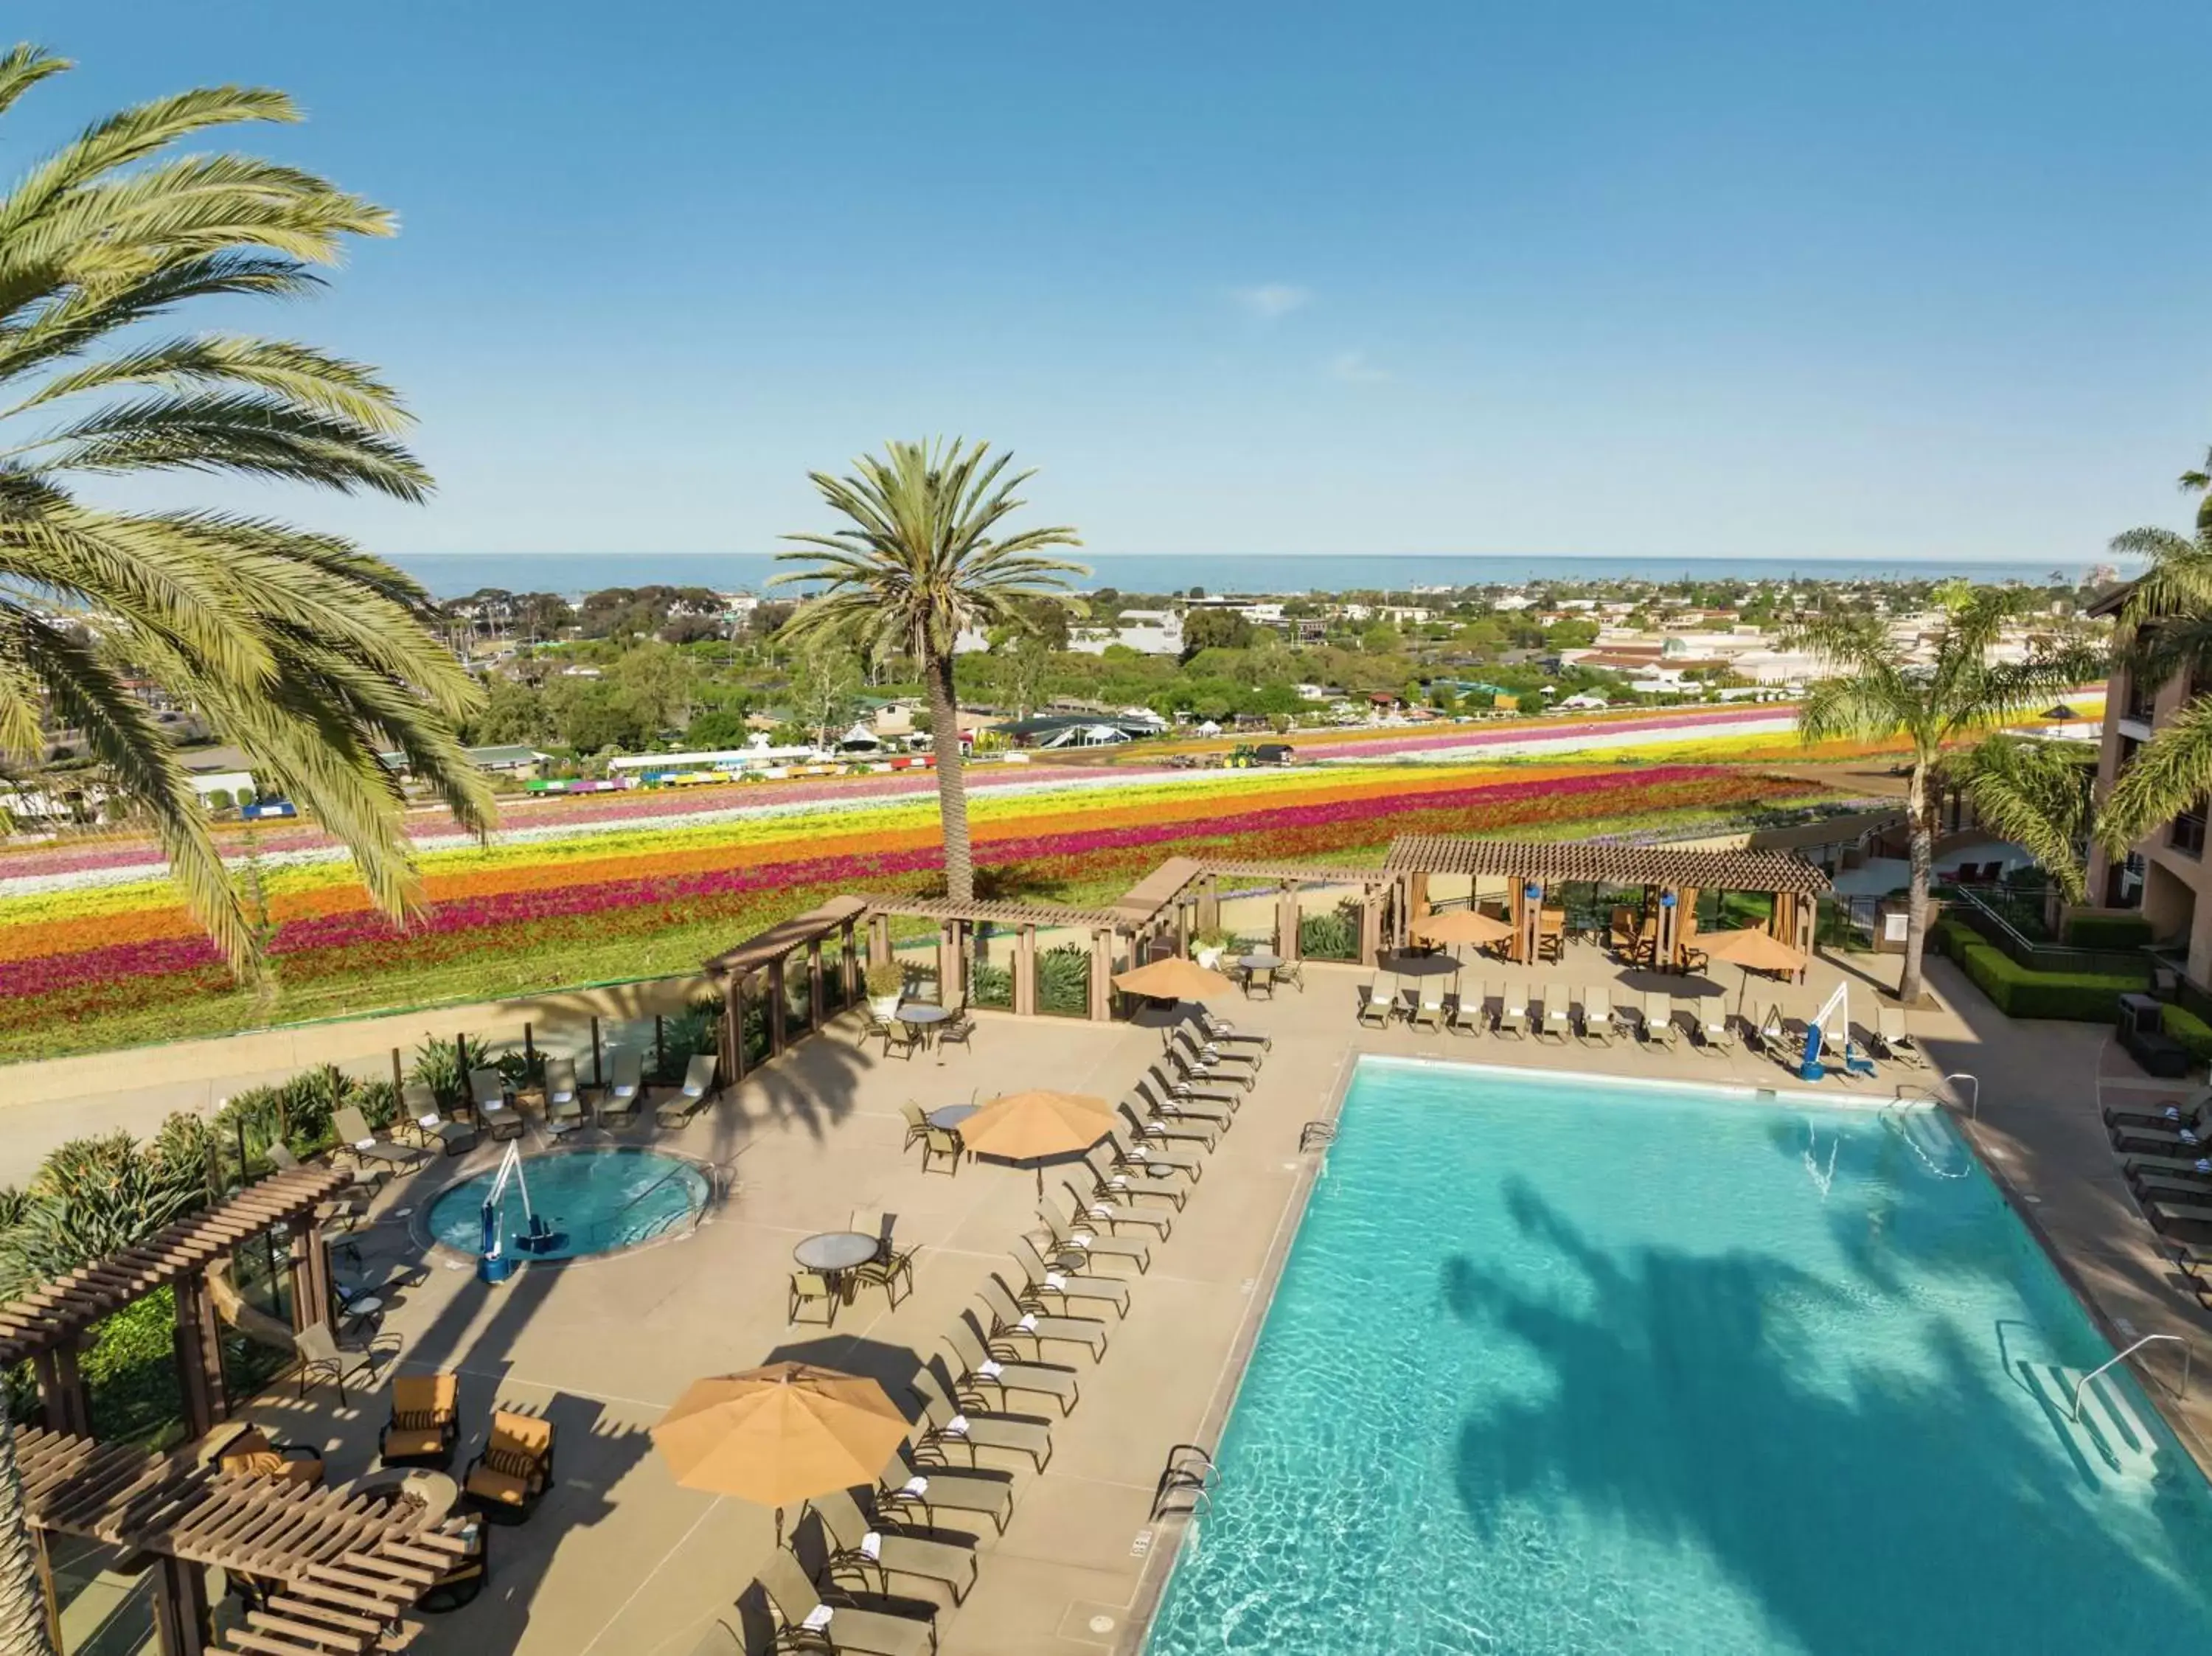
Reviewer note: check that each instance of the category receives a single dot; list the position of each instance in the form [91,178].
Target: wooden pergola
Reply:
[956,929]
[1672,877]
[350,1564]
[768,956]
[45,1327]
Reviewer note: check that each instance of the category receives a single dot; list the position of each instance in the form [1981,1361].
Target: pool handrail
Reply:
[1932,1092]
[2188,1354]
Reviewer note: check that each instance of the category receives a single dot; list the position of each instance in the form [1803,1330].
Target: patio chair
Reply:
[1048,1288]
[2168,1187]
[872,1025]
[804,1621]
[1113,1179]
[2177,1140]
[1009,1324]
[970,1364]
[1220,1032]
[811,1287]
[320,1359]
[890,1267]
[1715,1032]
[564,1099]
[512,1472]
[2164,1214]
[958,1030]
[251,1452]
[2194,1112]
[867,1552]
[947,1423]
[487,1098]
[356,1140]
[1429,1006]
[1239,1067]
[1134,1153]
[1182,1097]
[1513,1011]
[1893,1040]
[902,1489]
[1659,1028]
[418,1105]
[698,1086]
[1767,1035]
[2197,1167]
[917,1124]
[1072,1238]
[426,1421]
[1294,973]
[1598,1026]
[942,1143]
[1559,1024]
[1375,1002]
[902,1038]
[1107,1210]
[1136,1109]
[625,1088]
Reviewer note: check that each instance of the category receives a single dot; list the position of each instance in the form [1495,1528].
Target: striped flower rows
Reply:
[72,956]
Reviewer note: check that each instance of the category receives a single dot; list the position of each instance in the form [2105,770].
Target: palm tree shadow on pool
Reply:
[1920,1515]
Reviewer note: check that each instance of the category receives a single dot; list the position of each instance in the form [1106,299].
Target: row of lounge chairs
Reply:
[1018,1344]
[2167,1161]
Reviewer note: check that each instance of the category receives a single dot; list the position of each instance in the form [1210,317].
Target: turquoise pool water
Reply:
[596,1201]
[1559,1365]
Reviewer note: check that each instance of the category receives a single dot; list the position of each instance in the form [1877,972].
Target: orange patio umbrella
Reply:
[779,1435]
[1036,1125]
[1464,925]
[1173,977]
[1754,950]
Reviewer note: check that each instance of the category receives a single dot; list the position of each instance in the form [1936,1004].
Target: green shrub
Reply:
[439,1065]
[696,1029]
[1331,936]
[2108,931]
[130,1370]
[1063,981]
[2020,991]
[2184,1026]
[991,985]
[886,979]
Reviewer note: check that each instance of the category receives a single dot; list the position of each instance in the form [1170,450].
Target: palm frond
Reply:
[2037,794]
[2170,774]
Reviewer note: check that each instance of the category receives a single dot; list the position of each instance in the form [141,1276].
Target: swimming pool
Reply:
[597,1201]
[1560,1365]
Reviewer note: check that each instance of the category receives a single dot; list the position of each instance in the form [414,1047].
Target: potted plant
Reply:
[885,983]
[1208,947]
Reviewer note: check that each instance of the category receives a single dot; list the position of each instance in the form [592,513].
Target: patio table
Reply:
[1260,962]
[922,1017]
[949,1116]
[834,1253]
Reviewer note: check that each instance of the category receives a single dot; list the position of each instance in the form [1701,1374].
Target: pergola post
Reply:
[848,964]
[1371,924]
[181,1608]
[879,939]
[200,1357]
[1209,904]
[69,1383]
[1025,995]
[815,997]
[733,1020]
[1417,901]
[775,1006]
[1101,976]
[950,980]
[1668,938]
[1286,920]
[1528,920]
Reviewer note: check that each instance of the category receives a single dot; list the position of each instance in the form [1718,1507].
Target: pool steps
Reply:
[2109,1436]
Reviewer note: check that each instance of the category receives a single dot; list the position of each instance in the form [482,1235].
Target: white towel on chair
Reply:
[1081,1239]
[1027,1324]
[364,1144]
[1053,1280]
[872,1546]
[817,1618]
[915,1486]
[1101,1210]
[957,1427]
[989,1368]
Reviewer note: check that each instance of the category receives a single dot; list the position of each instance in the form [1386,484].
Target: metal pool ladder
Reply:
[1316,1135]
[2188,1356]
[1189,1473]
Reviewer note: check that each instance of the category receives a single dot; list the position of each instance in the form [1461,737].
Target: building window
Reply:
[2187,834]
[2142,700]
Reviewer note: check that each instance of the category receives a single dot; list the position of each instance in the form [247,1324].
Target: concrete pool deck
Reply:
[620,1561]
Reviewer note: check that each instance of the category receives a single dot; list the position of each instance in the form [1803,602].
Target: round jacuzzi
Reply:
[593,1201]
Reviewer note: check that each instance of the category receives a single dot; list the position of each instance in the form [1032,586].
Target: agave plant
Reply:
[442,1064]
[98,1196]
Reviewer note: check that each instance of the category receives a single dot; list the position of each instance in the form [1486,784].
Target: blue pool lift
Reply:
[495,1266]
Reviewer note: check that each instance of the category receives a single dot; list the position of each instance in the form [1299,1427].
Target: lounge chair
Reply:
[805,1623]
[1893,1040]
[425,1423]
[811,1288]
[2198,1168]
[1117,1216]
[1558,1015]
[1513,1011]
[903,1487]
[972,1364]
[1429,1005]
[419,1105]
[564,1099]
[1242,1067]
[356,1140]
[1598,1028]
[1187,1100]
[1010,1325]
[858,1548]
[487,1098]
[1071,1237]
[514,1469]
[2166,1213]
[691,1097]
[1171,1129]
[1048,1288]
[1154,1159]
[950,1424]
[625,1090]
[1659,1029]
[1769,1036]
[1466,1013]
[2194,1112]
[1113,1179]
[2169,1188]
[2177,1140]
[1375,1002]
[1220,1032]
[1713,1031]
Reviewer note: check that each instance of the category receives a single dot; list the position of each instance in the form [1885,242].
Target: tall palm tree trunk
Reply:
[1922,839]
[951,784]
[23,1626]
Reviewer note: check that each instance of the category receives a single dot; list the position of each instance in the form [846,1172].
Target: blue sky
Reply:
[1899,278]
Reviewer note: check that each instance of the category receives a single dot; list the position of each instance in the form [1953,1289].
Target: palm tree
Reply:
[308,653]
[2036,793]
[1872,696]
[923,562]
[2164,628]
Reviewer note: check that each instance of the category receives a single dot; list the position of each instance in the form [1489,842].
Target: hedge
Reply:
[2191,1031]
[2020,992]
[2108,931]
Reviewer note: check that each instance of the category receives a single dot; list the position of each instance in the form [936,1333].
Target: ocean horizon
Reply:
[457,574]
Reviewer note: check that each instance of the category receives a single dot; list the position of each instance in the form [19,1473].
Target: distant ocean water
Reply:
[457,574]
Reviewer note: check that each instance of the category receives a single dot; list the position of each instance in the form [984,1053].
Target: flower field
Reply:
[87,959]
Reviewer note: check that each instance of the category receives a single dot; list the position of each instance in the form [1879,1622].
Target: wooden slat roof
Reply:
[1312,873]
[785,936]
[352,1562]
[1662,865]
[55,1314]
[1001,914]
[1145,899]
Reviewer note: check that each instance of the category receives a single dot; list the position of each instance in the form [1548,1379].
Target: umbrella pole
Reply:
[779,1527]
